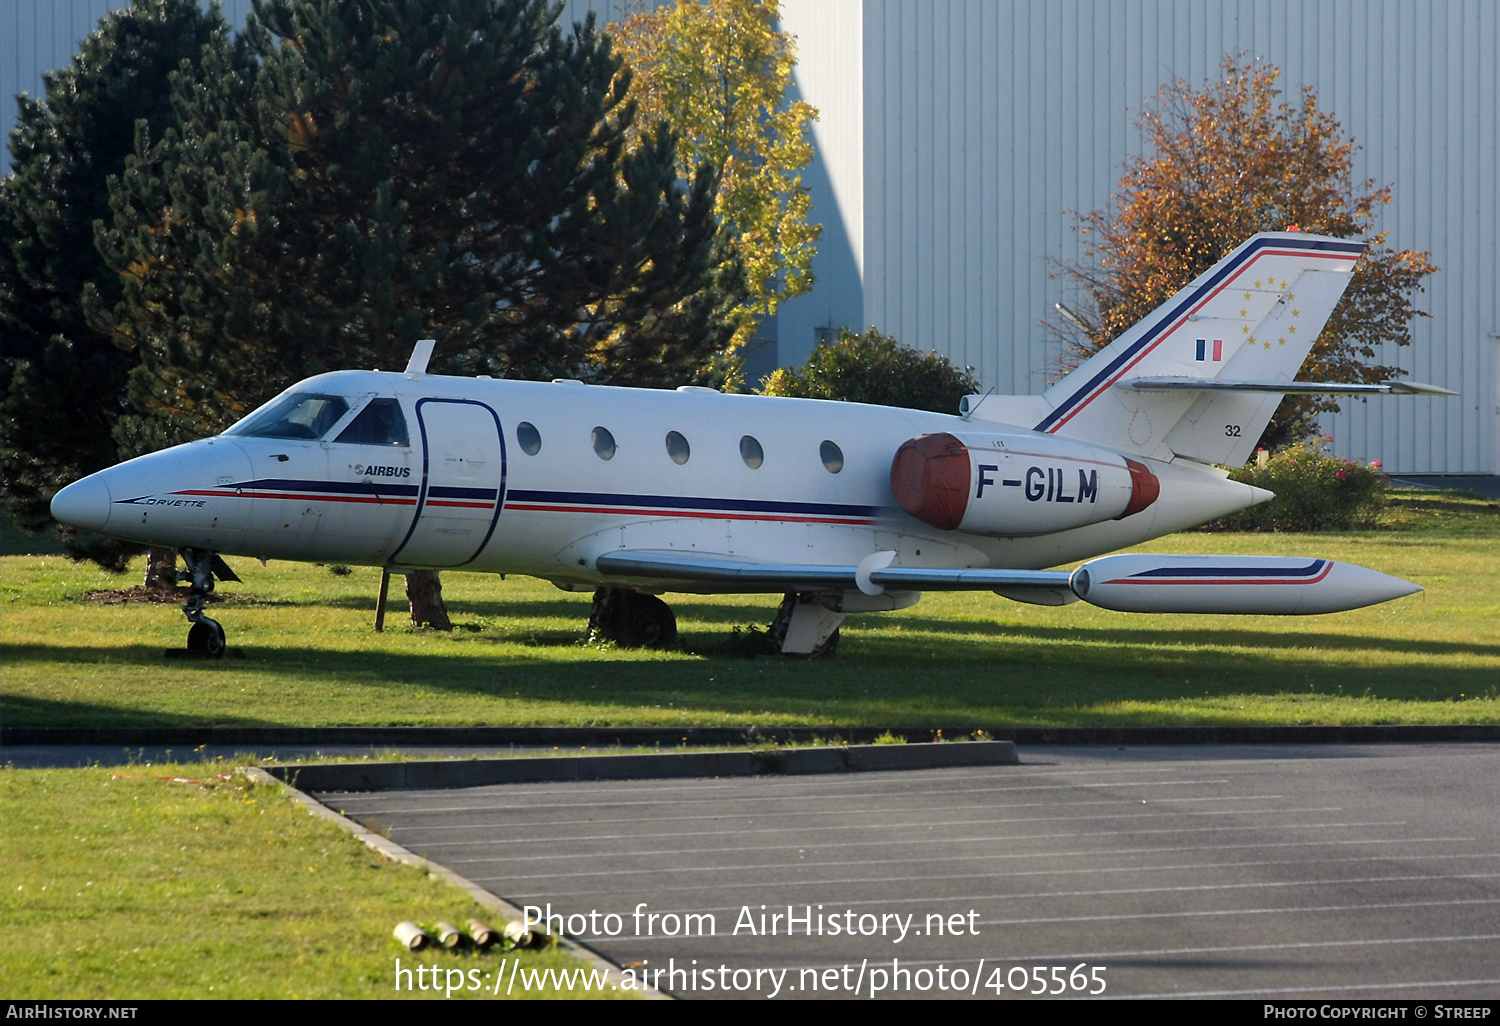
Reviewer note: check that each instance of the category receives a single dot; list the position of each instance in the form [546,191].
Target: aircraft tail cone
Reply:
[1267,585]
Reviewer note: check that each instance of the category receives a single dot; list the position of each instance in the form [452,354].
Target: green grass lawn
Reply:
[965,659]
[116,884]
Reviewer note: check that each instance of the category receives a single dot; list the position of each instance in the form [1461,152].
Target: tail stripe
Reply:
[1179,312]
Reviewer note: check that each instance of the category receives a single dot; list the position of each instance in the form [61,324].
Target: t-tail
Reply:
[1249,320]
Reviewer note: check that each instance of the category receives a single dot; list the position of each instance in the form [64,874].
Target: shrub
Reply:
[1315,491]
[875,368]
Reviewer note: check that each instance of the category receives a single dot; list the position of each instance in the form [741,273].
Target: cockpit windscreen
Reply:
[306,415]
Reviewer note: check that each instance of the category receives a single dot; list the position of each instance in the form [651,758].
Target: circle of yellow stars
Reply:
[1291,330]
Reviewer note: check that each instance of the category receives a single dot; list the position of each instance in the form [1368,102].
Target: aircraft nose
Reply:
[83,504]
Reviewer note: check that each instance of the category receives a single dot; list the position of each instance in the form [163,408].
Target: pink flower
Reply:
[1341,475]
[1376,464]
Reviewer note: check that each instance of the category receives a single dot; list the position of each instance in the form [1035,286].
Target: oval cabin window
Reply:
[751,452]
[604,443]
[529,437]
[833,457]
[677,448]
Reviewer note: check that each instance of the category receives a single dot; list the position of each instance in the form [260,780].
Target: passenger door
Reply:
[462,487]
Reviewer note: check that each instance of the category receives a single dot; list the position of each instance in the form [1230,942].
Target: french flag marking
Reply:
[1203,350]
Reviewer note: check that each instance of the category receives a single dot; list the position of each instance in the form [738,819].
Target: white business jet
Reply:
[841,507]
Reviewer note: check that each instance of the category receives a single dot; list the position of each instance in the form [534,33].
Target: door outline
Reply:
[426,463]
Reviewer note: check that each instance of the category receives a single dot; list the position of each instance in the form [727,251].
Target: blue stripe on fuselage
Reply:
[693,502]
[282,484]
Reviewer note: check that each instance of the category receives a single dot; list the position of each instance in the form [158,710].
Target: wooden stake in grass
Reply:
[385,587]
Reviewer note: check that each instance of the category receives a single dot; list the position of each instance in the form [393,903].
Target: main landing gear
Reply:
[632,620]
[205,637]
[804,625]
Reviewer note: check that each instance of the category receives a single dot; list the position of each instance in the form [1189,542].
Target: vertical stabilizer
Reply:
[1252,316]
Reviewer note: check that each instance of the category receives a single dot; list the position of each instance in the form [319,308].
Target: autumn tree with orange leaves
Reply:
[1224,162]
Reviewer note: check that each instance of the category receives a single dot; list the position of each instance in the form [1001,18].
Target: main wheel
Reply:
[206,636]
[645,621]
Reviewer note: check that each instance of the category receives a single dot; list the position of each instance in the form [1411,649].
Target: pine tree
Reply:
[62,381]
[364,175]
[349,178]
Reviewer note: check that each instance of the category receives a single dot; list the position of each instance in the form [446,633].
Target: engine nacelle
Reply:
[1011,485]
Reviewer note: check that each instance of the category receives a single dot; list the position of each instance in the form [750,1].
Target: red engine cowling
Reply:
[1012,485]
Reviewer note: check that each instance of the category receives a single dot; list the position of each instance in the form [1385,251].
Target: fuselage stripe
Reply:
[1288,577]
[680,502]
[573,502]
[379,500]
[695,514]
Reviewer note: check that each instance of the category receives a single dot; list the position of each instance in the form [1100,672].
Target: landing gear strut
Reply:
[205,636]
[805,627]
[632,620]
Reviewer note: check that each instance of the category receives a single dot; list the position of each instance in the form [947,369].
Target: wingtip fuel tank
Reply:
[1273,585]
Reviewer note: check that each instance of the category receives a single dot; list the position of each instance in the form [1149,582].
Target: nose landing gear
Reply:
[205,636]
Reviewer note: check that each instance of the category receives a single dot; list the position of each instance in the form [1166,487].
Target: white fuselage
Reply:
[465,492]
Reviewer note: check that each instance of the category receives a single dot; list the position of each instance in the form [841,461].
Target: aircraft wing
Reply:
[1048,587]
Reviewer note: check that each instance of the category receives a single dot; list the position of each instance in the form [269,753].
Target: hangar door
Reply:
[463,484]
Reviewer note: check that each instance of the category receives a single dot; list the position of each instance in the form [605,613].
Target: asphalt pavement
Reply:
[1265,871]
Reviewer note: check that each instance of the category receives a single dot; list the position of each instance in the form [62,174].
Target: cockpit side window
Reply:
[379,423]
[307,415]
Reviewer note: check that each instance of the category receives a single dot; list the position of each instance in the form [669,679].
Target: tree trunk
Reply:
[161,568]
[425,592]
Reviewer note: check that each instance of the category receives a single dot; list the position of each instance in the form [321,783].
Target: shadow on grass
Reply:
[1034,675]
[1191,638]
[25,711]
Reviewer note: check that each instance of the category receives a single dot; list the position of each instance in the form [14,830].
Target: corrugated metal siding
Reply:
[987,122]
[829,36]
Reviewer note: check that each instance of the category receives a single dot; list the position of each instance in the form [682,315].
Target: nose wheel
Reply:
[205,637]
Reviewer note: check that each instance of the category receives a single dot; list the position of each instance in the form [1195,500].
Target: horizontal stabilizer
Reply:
[1281,387]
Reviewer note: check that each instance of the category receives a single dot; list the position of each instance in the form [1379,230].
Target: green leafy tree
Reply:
[717,73]
[875,368]
[1222,163]
[62,380]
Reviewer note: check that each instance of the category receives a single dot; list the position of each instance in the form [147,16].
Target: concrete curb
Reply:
[633,737]
[391,850]
[381,776]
